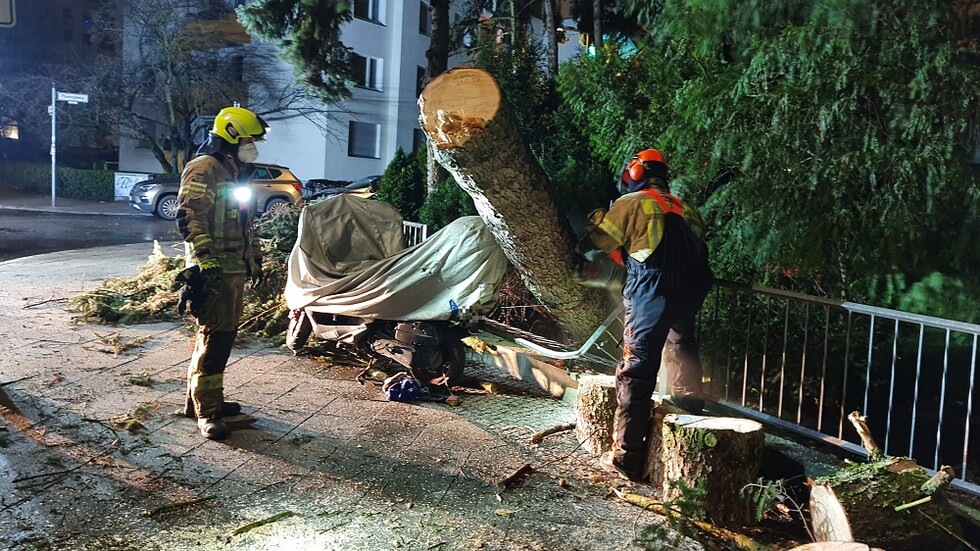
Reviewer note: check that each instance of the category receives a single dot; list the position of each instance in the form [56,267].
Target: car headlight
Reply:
[242,194]
[143,188]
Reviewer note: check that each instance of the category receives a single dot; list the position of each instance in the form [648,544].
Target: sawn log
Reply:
[477,140]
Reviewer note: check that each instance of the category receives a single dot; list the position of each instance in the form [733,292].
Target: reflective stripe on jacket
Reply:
[209,218]
[635,222]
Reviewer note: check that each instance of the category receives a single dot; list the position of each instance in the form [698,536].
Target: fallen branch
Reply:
[263,522]
[539,436]
[8,383]
[948,531]
[170,507]
[516,477]
[261,314]
[67,471]
[940,480]
[861,426]
[33,304]
[741,541]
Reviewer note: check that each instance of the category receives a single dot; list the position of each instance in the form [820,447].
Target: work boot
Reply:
[213,428]
[608,463]
[228,409]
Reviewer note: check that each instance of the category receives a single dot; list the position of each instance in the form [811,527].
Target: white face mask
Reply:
[247,153]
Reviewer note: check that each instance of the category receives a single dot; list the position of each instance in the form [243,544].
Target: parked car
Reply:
[365,187]
[275,188]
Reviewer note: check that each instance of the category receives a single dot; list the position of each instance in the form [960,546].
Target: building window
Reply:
[367,71]
[420,74]
[364,140]
[425,19]
[238,69]
[66,35]
[66,12]
[369,10]
[10,131]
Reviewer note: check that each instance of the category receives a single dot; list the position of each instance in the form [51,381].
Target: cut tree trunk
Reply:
[858,503]
[721,453]
[477,140]
[596,410]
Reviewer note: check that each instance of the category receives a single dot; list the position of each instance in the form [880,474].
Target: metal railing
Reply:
[415,233]
[804,363]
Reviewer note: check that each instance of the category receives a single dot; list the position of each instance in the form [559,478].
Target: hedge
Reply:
[73,183]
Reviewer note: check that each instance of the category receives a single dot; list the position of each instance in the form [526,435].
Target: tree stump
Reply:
[721,454]
[596,410]
[476,138]
[859,503]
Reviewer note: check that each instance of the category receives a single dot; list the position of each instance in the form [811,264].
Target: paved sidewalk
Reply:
[339,467]
[42,203]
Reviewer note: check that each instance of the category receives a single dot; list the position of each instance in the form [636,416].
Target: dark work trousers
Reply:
[216,333]
[650,316]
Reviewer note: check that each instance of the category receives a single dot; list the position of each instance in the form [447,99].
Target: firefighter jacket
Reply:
[216,226]
[635,222]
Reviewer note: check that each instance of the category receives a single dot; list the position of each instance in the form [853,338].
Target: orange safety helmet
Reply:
[645,164]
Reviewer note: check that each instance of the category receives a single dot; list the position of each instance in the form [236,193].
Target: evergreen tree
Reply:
[307,34]
[403,183]
[822,137]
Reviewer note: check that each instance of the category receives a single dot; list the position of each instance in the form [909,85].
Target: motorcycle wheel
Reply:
[299,331]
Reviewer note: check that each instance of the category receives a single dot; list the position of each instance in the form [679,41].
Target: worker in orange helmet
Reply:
[660,241]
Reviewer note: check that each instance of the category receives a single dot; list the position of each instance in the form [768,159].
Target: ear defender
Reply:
[636,170]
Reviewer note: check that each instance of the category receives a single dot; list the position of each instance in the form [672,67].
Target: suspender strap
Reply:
[668,203]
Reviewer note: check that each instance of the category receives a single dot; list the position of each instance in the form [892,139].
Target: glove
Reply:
[211,275]
[255,274]
[192,291]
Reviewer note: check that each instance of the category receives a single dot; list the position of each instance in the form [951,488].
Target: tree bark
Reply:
[438,61]
[551,32]
[859,504]
[597,23]
[722,453]
[464,112]
[595,412]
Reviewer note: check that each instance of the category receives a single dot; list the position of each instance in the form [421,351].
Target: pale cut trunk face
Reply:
[449,107]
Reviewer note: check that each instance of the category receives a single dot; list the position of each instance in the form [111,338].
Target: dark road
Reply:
[28,233]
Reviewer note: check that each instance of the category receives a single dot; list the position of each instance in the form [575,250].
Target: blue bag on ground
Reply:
[402,387]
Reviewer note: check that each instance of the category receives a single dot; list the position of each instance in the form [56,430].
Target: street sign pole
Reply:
[72,99]
[54,120]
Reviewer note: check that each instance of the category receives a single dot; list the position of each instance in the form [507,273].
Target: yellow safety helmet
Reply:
[234,123]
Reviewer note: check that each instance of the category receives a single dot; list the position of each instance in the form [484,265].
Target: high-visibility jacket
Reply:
[214,224]
[635,222]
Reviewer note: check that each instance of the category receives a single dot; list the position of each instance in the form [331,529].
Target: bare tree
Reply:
[180,65]
[438,60]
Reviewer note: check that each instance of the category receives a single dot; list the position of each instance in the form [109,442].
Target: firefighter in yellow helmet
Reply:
[659,240]
[216,210]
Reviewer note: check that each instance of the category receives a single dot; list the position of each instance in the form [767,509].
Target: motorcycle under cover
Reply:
[350,259]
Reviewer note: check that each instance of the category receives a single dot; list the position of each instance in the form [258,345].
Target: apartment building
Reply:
[388,39]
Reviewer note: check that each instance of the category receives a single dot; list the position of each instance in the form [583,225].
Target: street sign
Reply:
[72,98]
[7,16]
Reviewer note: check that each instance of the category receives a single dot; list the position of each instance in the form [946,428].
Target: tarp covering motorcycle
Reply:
[350,259]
